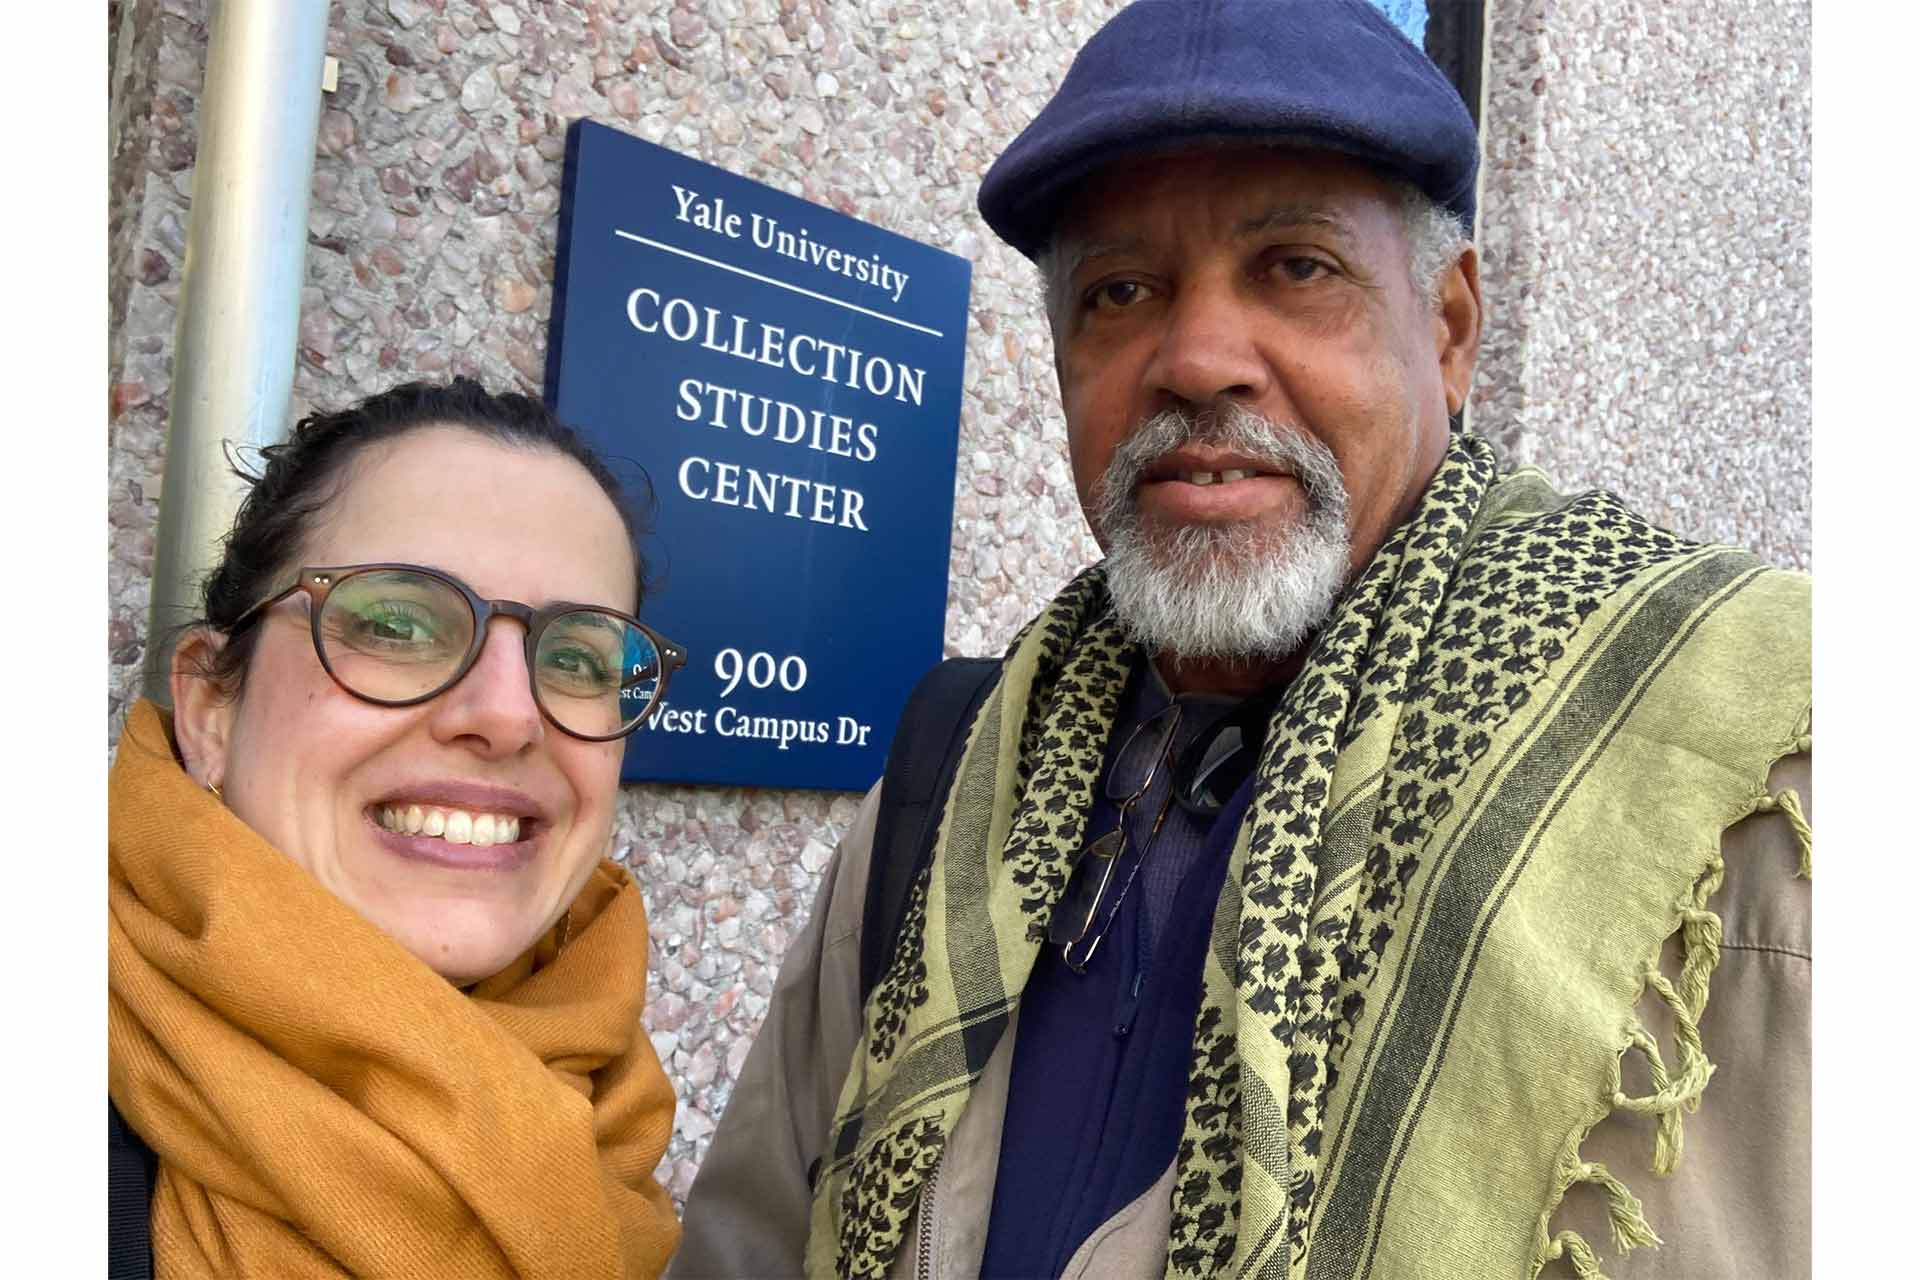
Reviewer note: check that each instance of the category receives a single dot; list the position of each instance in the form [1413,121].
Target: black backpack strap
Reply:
[132,1168]
[920,767]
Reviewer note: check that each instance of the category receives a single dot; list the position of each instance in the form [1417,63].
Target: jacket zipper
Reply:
[923,1264]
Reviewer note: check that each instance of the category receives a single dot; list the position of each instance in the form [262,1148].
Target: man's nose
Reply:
[492,710]
[1207,349]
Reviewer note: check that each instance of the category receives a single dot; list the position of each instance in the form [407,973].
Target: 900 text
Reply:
[760,670]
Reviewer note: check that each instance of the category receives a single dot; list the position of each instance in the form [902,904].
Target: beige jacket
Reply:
[1739,1206]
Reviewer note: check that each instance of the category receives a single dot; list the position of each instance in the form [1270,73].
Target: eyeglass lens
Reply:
[1130,777]
[391,635]
[1073,916]
[1138,763]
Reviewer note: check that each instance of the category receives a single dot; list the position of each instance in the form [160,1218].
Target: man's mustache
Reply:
[1232,428]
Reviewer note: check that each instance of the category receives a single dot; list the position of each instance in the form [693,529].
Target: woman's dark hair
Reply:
[301,476]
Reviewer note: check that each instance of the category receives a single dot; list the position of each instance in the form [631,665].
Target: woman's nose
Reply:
[492,709]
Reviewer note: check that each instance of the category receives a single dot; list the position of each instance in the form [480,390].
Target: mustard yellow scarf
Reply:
[324,1104]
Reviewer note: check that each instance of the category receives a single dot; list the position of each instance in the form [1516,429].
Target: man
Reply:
[1330,885]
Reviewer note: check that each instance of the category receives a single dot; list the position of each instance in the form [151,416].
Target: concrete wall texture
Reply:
[1644,228]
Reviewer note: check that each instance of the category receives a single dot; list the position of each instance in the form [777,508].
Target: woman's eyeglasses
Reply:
[400,634]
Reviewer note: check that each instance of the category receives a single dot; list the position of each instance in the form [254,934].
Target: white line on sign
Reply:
[779,284]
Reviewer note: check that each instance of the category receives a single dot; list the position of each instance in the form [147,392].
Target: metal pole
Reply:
[239,309]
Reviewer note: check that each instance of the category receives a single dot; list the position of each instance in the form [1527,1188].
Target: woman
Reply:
[374,992]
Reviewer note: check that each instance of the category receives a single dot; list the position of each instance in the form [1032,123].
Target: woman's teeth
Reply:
[455,826]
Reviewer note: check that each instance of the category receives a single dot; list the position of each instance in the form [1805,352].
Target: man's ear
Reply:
[202,713]
[1456,328]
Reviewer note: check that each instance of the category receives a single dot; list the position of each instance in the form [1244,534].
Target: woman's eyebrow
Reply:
[597,621]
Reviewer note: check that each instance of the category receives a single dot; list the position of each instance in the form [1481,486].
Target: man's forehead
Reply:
[1239,193]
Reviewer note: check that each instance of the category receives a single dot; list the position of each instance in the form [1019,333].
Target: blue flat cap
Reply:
[1329,74]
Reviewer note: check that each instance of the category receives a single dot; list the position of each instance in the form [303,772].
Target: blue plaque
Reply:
[790,379]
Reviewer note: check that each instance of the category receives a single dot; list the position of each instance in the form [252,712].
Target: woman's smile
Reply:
[456,838]
[465,825]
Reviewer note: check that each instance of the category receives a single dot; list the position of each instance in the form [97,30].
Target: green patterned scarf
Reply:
[1495,788]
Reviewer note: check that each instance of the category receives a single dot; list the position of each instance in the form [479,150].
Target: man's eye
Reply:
[1300,270]
[1114,294]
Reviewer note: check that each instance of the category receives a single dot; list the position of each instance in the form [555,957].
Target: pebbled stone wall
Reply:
[1644,224]
[1648,207]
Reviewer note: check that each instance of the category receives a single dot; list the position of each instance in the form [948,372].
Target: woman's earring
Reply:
[214,787]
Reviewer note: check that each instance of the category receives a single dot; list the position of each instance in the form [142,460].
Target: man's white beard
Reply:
[1233,592]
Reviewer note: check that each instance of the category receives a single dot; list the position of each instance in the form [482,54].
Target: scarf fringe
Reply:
[1675,1093]
[1626,1218]
[1625,1215]
[1787,801]
[1585,1265]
